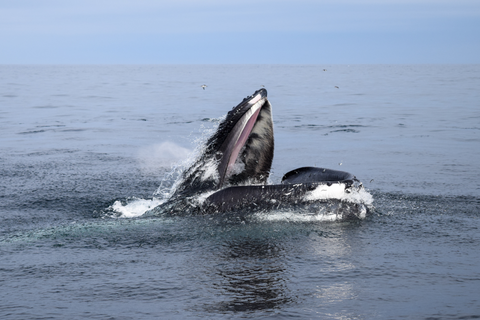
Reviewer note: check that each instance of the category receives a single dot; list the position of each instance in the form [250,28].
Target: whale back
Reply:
[313,174]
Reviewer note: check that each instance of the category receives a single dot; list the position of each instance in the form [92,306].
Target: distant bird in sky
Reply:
[324,69]
[336,87]
[203,86]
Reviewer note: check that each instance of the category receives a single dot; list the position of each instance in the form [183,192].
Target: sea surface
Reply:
[86,150]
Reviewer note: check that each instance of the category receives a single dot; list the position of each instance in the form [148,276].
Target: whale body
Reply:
[230,176]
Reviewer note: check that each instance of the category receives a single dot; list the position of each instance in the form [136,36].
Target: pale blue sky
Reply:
[240,31]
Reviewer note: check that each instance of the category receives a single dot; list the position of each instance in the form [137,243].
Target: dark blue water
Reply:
[85,150]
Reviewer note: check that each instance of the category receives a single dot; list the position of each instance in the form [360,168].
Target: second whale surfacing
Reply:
[231,174]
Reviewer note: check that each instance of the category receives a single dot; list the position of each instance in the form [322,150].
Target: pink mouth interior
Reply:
[241,141]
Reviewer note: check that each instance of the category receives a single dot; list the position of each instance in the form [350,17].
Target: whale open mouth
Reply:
[250,136]
[240,150]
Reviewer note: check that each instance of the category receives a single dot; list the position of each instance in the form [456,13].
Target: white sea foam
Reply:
[134,208]
[323,192]
[337,191]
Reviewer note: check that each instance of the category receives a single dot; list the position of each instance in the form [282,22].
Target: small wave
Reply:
[179,122]
[73,130]
[216,120]
[98,97]
[33,131]
[52,126]
[345,130]
[333,128]
[46,107]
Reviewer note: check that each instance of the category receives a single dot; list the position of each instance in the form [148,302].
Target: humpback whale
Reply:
[231,174]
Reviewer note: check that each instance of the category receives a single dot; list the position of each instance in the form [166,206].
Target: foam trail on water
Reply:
[292,216]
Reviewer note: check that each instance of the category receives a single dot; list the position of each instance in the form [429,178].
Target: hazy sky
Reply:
[240,31]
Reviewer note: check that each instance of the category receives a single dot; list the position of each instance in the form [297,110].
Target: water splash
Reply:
[356,194]
[133,208]
[156,157]
[191,163]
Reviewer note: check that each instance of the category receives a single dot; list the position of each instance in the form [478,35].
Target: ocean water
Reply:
[85,150]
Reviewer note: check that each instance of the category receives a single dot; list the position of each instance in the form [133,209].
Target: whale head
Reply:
[239,152]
